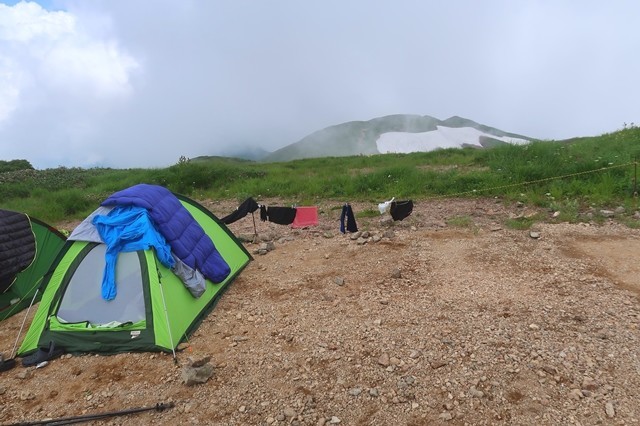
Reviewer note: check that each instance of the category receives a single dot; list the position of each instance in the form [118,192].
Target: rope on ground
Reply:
[511,185]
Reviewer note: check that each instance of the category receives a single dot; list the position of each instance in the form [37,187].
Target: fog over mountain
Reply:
[400,133]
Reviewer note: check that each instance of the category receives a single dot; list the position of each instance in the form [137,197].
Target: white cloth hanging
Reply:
[384,207]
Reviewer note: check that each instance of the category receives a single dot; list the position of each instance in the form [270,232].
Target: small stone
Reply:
[289,412]
[589,384]
[26,395]
[334,420]
[446,416]
[534,234]
[355,391]
[199,362]
[608,408]
[384,360]
[396,273]
[339,281]
[374,392]
[576,394]
[534,326]
[475,393]
[242,409]
[438,364]
[195,375]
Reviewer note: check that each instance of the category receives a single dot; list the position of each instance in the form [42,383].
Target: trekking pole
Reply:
[255,230]
[89,417]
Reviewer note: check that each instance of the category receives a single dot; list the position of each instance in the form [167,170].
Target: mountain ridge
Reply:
[361,137]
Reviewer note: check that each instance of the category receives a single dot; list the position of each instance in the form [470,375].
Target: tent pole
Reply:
[24,320]
[166,316]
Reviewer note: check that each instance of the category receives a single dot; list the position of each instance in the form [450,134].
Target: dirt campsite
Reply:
[448,317]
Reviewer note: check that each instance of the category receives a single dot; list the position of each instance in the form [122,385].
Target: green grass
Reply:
[522,222]
[567,176]
[460,221]
[367,213]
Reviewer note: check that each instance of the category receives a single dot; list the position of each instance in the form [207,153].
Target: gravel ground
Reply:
[448,317]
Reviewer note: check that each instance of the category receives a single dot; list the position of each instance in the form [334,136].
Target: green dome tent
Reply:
[28,247]
[153,309]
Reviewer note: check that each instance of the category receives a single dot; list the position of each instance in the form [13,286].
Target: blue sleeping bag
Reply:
[182,232]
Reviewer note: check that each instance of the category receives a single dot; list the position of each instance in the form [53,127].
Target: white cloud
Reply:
[138,83]
[9,87]
[26,22]
[49,59]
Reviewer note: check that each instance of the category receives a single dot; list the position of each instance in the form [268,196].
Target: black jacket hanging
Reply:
[248,206]
[347,215]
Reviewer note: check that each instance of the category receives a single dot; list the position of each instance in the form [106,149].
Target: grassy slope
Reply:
[574,175]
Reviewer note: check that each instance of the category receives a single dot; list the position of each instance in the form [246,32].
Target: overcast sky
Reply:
[138,83]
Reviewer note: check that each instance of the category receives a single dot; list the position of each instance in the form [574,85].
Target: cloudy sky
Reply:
[139,83]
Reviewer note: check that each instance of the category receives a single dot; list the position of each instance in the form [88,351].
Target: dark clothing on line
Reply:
[401,209]
[347,214]
[263,213]
[248,206]
[281,215]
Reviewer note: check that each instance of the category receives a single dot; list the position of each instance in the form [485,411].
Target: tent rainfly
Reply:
[28,248]
[132,278]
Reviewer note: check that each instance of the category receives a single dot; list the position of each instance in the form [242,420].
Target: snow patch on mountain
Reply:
[443,137]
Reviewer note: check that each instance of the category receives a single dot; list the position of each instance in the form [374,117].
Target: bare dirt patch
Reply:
[616,256]
[431,324]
